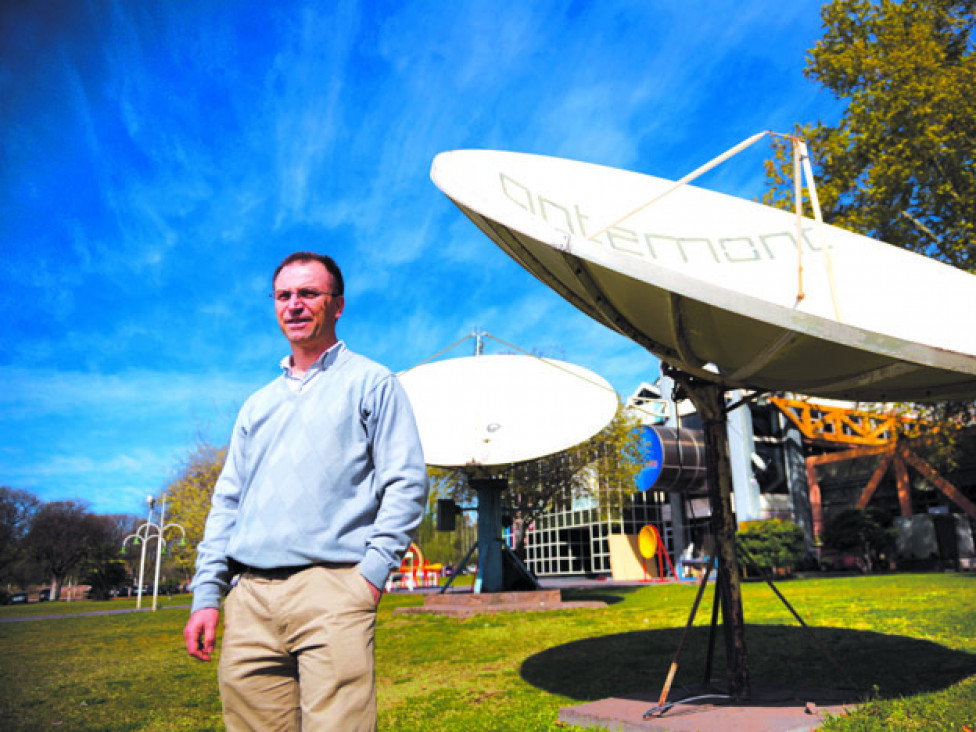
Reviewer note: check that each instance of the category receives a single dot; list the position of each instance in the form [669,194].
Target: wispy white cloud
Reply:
[39,393]
[160,160]
[118,436]
[115,482]
[131,464]
[306,81]
[128,81]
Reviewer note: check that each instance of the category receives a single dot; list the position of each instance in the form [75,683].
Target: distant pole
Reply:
[142,559]
[162,528]
[159,551]
[159,546]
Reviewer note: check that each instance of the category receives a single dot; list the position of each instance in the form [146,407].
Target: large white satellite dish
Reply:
[702,278]
[484,411]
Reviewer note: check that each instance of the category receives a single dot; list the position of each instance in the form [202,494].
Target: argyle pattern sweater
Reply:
[326,468]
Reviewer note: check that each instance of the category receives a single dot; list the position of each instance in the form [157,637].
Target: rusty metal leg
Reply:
[710,401]
[876,477]
[816,506]
[948,489]
[661,704]
[901,478]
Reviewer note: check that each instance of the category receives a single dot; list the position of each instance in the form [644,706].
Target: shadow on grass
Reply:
[608,595]
[637,662]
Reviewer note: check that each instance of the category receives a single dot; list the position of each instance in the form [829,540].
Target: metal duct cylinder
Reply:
[674,460]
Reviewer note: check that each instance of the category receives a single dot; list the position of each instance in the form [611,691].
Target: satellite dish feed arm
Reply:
[802,172]
[748,142]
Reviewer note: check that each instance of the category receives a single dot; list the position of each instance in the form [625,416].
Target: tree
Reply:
[17,507]
[864,531]
[604,466]
[63,534]
[900,165]
[102,569]
[773,544]
[103,576]
[188,498]
[444,547]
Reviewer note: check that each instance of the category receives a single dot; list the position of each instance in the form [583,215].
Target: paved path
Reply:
[770,709]
[546,582]
[54,616]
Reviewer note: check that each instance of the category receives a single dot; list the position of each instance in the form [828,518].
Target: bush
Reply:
[169,587]
[772,544]
[863,532]
[103,577]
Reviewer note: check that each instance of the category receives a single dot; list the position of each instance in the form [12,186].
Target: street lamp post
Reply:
[142,535]
[159,546]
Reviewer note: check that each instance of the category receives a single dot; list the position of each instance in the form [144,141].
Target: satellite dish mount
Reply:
[709,399]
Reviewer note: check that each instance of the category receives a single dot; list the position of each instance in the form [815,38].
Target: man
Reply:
[323,485]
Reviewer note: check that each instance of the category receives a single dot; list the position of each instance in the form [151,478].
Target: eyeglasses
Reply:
[304,294]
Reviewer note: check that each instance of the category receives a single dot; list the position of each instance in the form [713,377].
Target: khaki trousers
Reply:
[297,652]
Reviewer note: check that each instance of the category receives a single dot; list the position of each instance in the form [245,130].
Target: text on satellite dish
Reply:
[571,219]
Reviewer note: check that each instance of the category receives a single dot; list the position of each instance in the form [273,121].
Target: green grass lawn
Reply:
[908,641]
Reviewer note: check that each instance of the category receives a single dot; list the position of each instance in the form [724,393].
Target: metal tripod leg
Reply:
[716,604]
[464,563]
[662,706]
[807,628]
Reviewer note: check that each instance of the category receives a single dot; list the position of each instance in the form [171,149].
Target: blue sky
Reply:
[157,160]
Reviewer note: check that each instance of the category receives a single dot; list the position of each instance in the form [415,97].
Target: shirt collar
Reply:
[322,363]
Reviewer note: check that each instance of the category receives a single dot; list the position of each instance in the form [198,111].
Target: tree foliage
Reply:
[773,544]
[444,547]
[63,534]
[865,532]
[188,498]
[947,434]
[605,465]
[17,508]
[103,576]
[900,165]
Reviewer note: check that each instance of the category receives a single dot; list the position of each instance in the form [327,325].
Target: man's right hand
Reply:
[201,633]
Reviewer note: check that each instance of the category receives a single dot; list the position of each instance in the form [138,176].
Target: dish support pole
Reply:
[709,399]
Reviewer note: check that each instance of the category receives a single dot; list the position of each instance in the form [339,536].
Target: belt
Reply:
[285,572]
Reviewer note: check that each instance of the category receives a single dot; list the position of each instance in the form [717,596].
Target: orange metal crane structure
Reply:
[870,433]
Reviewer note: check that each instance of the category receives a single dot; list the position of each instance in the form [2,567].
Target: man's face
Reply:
[308,321]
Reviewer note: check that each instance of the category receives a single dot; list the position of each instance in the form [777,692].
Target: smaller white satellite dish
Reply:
[499,410]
